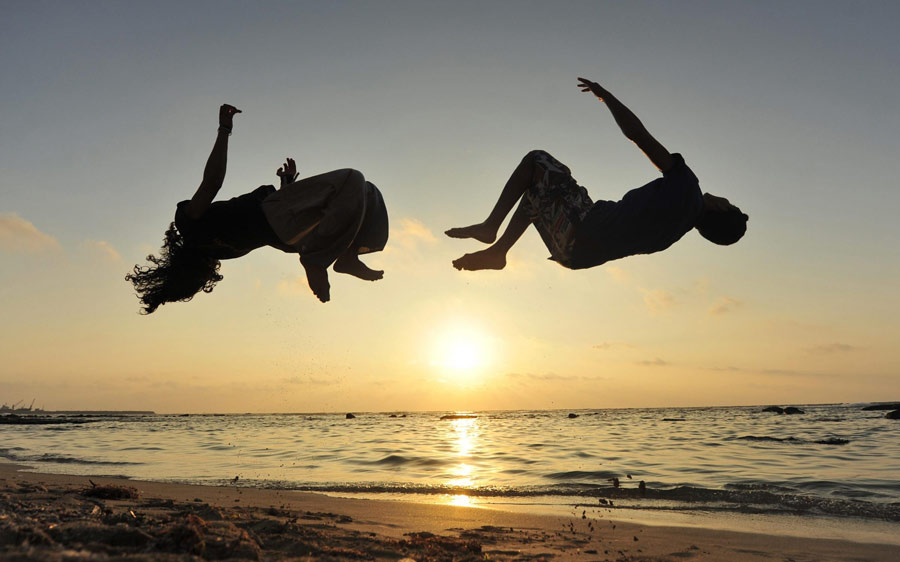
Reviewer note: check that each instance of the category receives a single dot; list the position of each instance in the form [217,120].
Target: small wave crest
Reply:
[794,440]
[14,454]
[595,476]
[400,460]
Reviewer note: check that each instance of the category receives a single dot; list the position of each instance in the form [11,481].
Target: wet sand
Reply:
[61,517]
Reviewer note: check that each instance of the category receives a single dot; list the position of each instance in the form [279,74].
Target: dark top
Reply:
[229,229]
[648,219]
[234,228]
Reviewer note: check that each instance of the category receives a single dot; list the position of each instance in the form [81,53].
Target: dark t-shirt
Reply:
[229,229]
[648,219]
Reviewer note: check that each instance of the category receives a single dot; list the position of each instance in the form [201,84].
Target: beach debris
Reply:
[350,416]
[110,492]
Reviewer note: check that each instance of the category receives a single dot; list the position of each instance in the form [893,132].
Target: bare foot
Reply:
[352,266]
[485,259]
[481,232]
[317,277]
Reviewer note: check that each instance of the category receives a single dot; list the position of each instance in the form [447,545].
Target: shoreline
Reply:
[47,515]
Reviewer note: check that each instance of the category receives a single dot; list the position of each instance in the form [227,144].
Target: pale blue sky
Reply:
[789,109]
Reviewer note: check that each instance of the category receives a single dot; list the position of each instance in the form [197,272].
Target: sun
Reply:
[461,349]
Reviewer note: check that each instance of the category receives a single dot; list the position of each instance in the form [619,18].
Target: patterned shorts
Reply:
[555,203]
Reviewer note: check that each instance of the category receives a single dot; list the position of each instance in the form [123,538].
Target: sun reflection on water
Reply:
[463,434]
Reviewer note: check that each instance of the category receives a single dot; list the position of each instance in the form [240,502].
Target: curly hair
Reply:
[179,273]
[723,227]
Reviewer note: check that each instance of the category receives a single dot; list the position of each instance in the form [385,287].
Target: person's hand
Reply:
[592,87]
[288,172]
[226,116]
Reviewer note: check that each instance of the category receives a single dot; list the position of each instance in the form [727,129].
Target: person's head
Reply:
[721,222]
[373,232]
[179,273]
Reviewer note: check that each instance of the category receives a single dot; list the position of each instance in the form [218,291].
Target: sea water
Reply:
[836,465]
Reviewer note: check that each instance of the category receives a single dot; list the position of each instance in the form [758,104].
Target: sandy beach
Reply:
[62,517]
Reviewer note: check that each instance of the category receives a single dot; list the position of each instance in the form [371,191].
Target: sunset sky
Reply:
[790,109]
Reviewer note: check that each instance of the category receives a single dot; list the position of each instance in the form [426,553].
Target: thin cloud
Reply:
[618,274]
[773,372]
[603,346]
[410,232]
[103,249]
[21,236]
[724,304]
[307,381]
[551,377]
[832,348]
[653,363]
[658,300]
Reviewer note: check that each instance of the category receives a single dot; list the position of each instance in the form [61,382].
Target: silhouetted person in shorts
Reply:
[580,233]
[328,219]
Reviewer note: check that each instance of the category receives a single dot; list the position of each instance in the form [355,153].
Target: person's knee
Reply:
[535,155]
[351,175]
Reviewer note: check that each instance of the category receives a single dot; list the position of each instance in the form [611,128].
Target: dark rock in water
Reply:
[459,417]
[350,416]
[393,415]
[15,419]
[572,416]
[895,415]
[775,409]
[792,410]
[876,407]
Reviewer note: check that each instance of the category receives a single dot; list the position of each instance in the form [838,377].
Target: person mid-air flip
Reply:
[580,233]
[327,219]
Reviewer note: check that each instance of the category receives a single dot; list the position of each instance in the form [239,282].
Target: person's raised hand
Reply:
[592,87]
[226,116]
[287,172]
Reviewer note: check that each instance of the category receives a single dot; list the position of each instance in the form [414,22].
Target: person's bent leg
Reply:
[494,257]
[521,178]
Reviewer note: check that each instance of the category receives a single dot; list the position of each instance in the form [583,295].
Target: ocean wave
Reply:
[72,460]
[795,440]
[593,475]
[399,460]
[12,454]
[762,499]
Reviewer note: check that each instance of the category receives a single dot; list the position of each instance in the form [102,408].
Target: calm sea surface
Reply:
[832,461]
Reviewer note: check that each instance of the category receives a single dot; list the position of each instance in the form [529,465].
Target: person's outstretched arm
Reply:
[631,126]
[214,172]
